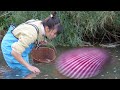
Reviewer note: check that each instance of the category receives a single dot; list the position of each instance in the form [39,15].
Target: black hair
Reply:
[51,21]
[59,28]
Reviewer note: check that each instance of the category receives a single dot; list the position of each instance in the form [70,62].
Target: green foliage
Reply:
[5,19]
[78,25]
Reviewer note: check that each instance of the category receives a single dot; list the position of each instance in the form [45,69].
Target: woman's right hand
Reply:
[34,69]
[20,59]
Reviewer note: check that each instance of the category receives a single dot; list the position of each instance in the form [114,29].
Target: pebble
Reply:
[46,75]
[114,68]
[115,71]
[16,75]
[116,56]
[55,78]
[102,75]
[116,78]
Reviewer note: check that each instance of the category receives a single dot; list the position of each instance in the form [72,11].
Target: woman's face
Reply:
[51,34]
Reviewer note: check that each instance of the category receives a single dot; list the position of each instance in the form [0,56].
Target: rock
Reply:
[110,45]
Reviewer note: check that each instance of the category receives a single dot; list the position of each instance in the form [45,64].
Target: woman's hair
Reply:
[59,28]
[53,22]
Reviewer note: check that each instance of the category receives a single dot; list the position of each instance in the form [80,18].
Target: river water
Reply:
[48,71]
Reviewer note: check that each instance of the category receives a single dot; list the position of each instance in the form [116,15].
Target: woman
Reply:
[19,41]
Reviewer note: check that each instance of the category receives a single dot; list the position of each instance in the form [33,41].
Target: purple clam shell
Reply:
[82,63]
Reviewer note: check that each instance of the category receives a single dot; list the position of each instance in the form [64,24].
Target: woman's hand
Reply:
[33,69]
[44,42]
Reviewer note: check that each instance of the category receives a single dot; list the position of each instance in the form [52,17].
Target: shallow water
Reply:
[48,71]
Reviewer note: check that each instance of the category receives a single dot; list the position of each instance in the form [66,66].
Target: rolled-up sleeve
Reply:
[25,38]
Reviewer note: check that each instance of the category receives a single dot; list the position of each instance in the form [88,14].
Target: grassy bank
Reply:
[93,27]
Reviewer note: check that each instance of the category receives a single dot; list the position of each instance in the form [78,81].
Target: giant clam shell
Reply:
[82,63]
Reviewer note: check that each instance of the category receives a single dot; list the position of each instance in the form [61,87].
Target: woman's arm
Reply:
[19,58]
[26,35]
